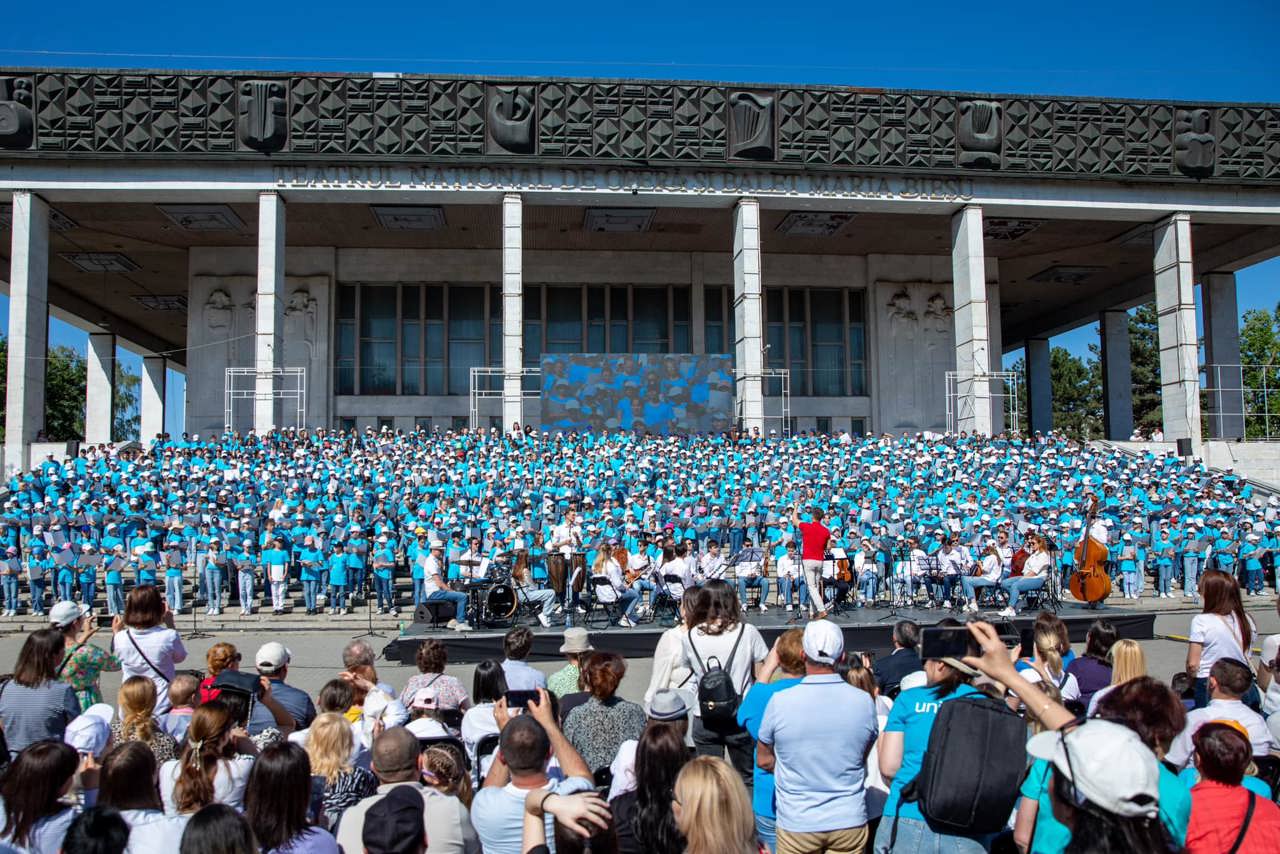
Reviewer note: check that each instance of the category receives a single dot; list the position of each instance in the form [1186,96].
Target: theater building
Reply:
[344,250]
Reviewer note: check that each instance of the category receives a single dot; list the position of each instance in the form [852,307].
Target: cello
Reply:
[1090,582]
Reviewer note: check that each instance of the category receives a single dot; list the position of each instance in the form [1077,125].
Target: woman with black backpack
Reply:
[724,655]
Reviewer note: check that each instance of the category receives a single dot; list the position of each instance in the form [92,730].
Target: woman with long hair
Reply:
[669,672]
[209,769]
[1221,630]
[642,817]
[1128,661]
[712,809]
[716,631]
[146,642]
[1046,664]
[597,728]
[128,783]
[330,746]
[488,686]
[277,801]
[33,705]
[32,815]
[1093,669]
[138,723]
[903,742]
[444,770]
[218,829]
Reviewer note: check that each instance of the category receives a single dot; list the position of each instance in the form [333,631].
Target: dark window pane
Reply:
[564,320]
[679,304]
[680,338]
[410,377]
[435,302]
[466,336]
[463,356]
[409,297]
[378,312]
[533,302]
[347,302]
[377,367]
[713,303]
[649,326]
[795,302]
[715,338]
[495,303]
[773,305]
[595,304]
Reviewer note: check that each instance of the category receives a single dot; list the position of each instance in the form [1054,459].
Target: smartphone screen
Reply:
[520,699]
[946,642]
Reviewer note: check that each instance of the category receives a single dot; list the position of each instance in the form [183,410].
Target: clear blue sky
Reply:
[1175,49]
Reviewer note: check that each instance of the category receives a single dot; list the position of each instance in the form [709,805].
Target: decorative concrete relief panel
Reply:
[979,134]
[17,121]
[263,108]
[751,126]
[915,349]
[1194,146]
[511,119]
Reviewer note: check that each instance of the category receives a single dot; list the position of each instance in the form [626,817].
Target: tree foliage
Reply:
[126,413]
[1260,350]
[64,395]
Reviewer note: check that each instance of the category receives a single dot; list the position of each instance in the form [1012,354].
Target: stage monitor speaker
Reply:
[1184,447]
[422,614]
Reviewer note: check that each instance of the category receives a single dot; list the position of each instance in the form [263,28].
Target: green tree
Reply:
[1077,394]
[126,415]
[64,384]
[1260,349]
[1144,360]
[1019,370]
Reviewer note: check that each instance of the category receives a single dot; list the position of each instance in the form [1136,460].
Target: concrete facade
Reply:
[1039,386]
[1224,377]
[151,420]
[1176,316]
[747,311]
[512,309]
[268,310]
[28,327]
[1117,376]
[100,387]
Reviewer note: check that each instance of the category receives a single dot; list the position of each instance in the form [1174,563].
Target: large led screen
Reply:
[647,392]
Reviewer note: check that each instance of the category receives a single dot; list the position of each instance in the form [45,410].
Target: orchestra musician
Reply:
[953,560]
[866,571]
[1035,570]
[474,553]
[987,574]
[791,577]
[438,589]
[543,597]
[606,567]
[713,563]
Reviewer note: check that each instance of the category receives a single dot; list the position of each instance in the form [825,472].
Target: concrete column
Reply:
[1117,376]
[100,388]
[512,309]
[1039,386]
[1222,355]
[28,328]
[268,309]
[151,421]
[1176,317]
[973,347]
[747,312]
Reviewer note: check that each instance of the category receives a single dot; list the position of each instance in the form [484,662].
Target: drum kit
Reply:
[494,600]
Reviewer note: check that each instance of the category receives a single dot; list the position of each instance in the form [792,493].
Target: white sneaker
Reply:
[1008,612]
[626,623]
[462,627]
[451,624]
[581,610]
[744,609]
[763,607]
[542,618]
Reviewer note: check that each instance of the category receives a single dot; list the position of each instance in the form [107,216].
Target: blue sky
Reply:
[1167,50]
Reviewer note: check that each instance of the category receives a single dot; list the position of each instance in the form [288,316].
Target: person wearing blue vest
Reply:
[384,563]
[338,582]
[215,567]
[310,560]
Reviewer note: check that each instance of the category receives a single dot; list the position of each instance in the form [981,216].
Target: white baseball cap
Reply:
[272,656]
[90,732]
[64,613]
[823,642]
[1108,763]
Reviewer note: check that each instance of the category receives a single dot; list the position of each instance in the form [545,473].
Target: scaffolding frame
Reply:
[783,375]
[287,384]
[1003,386]
[482,389]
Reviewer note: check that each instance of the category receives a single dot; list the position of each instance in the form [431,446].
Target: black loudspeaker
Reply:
[1184,447]
[422,614]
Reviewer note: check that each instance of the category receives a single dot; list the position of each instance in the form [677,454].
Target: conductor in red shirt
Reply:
[814,537]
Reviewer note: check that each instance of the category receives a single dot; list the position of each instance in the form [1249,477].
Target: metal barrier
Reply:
[1241,401]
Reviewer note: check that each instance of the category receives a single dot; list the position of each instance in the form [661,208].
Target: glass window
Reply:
[858,426]
[495,336]
[378,339]
[410,339]
[826,309]
[824,424]
[775,334]
[564,320]
[680,297]
[596,320]
[344,359]
[858,343]
[649,326]
[466,335]
[347,424]
[618,314]
[713,318]
[433,339]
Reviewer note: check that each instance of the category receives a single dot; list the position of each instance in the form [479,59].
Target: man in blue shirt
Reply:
[815,737]
[787,656]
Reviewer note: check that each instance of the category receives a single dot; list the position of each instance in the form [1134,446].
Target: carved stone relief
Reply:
[263,109]
[918,348]
[751,126]
[16,119]
[979,134]
[1194,145]
[217,311]
[511,114]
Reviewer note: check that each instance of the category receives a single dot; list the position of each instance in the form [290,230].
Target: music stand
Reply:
[746,557]
[901,555]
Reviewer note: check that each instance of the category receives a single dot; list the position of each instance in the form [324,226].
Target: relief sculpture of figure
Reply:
[217,310]
[904,327]
[937,335]
[300,315]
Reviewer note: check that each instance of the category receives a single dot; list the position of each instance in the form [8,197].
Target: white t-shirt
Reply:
[1220,635]
[1036,565]
[789,567]
[229,782]
[476,724]
[751,649]
[161,646]
[1069,687]
[1271,700]
[151,831]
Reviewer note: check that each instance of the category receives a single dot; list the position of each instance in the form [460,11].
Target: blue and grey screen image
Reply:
[647,392]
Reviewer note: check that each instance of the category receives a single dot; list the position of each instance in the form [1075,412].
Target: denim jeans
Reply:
[89,591]
[736,537]
[9,583]
[383,588]
[789,585]
[917,837]
[115,599]
[356,577]
[1015,587]
[904,586]
[869,583]
[767,831]
[310,590]
[66,591]
[337,596]
[1130,583]
[1164,577]
[546,599]
[246,590]
[755,581]
[1253,580]
[945,588]
[970,584]
[419,591]
[630,600]
[1191,575]
[459,601]
[640,585]
[38,588]
[213,588]
[173,592]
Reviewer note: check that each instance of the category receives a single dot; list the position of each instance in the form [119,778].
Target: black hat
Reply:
[394,825]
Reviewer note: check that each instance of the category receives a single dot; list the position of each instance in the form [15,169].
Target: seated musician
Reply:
[835,590]
[953,561]
[437,589]
[545,598]
[640,567]
[866,571]
[1035,571]
[712,564]
[752,575]
[988,575]
[616,590]
[474,552]
[908,575]
[791,577]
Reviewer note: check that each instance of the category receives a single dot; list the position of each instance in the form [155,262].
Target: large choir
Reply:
[483,527]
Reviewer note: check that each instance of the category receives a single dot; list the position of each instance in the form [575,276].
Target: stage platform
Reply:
[866,629]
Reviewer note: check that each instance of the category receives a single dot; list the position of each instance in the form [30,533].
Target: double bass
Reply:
[1090,582]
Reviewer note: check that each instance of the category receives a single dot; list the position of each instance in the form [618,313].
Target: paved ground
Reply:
[318,654]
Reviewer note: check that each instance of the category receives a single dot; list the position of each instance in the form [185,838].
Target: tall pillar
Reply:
[1117,376]
[100,388]
[1176,318]
[973,347]
[512,309]
[153,388]
[268,308]
[747,312]
[1039,386]
[1222,355]
[28,328]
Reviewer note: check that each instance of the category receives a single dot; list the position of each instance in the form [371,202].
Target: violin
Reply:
[1090,582]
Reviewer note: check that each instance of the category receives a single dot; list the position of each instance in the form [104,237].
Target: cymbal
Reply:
[467,562]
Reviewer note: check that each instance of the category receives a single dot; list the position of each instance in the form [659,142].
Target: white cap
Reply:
[90,732]
[272,656]
[823,642]
[65,613]
[1109,765]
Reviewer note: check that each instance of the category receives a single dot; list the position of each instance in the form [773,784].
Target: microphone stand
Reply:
[195,600]
[368,609]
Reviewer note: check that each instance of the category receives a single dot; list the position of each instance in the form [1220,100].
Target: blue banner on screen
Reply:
[648,392]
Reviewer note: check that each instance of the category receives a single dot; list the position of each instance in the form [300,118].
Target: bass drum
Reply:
[500,602]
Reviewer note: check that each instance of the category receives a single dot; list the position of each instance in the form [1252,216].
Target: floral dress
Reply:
[81,669]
